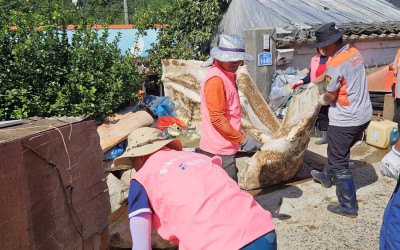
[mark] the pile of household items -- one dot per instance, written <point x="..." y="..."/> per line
<point x="154" y="111"/>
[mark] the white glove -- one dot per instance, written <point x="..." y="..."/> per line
<point x="310" y="85"/>
<point x="390" y="164"/>
<point x="322" y="100"/>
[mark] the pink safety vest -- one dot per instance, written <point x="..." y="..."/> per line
<point x="211" y="140"/>
<point x="197" y="205"/>
<point x="314" y="67"/>
<point x="396" y="78"/>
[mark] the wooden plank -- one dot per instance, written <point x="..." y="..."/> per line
<point x="120" y="125"/>
<point x="389" y="108"/>
<point x="13" y="198"/>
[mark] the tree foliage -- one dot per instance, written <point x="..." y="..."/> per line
<point x="186" y="29"/>
<point x="43" y="73"/>
<point x="90" y="11"/>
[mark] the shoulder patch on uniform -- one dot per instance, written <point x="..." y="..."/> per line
<point x="328" y="79"/>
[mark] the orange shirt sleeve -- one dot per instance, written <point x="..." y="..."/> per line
<point x="214" y="90"/>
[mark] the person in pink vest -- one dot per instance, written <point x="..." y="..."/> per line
<point x="189" y="199"/>
<point x="317" y="69"/>
<point x="221" y="126"/>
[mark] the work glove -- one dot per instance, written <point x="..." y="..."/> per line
<point x="310" y="85"/>
<point x="390" y="164"/>
<point x="322" y="100"/>
<point x="250" y="145"/>
<point x="297" y="84"/>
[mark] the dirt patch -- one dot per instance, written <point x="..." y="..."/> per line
<point x="368" y="154"/>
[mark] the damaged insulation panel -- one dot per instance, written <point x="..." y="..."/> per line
<point x="284" y="142"/>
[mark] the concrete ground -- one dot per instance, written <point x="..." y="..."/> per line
<point x="299" y="206"/>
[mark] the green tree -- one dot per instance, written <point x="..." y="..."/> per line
<point x="92" y="11"/>
<point x="186" y="29"/>
<point x="44" y="74"/>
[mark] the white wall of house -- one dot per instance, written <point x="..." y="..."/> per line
<point x="375" y="53"/>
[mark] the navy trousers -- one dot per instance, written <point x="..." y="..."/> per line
<point x="323" y="118"/>
<point x="340" y="140"/>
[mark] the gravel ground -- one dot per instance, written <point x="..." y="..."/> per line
<point x="299" y="207"/>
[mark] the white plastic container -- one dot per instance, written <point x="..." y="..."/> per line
<point x="378" y="133"/>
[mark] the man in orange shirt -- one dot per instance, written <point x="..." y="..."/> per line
<point x="221" y="132"/>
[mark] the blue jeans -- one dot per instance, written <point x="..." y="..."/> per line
<point x="265" y="242"/>
<point x="389" y="236"/>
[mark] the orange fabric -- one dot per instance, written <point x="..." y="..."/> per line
<point x="164" y="122"/>
<point x="389" y="80"/>
<point x="342" y="93"/>
<point x="343" y="96"/>
<point x="395" y="73"/>
<point x="380" y="80"/>
<point x="215" y="99"/>
<point x="342" y="57"/>
<point x="395" y="68"/>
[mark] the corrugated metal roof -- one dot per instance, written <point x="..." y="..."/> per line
<point x="295" y="20"/>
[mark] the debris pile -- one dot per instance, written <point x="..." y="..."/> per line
<point x="152" y="111"/>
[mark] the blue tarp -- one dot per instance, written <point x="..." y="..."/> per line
<point x="127" y="39"/>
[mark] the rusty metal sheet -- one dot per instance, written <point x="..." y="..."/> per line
<point x="13" y="198"/>
<point x="67" y="200"/>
